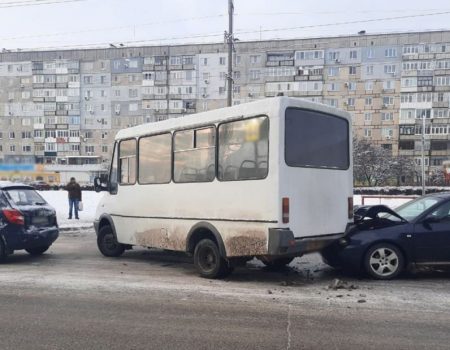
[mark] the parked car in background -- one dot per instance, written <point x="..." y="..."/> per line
<point x="27" y="221"/>
<point x="385" y="242"/>
<point x="40" y="185"/>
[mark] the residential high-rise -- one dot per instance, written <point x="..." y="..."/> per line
<point x="65" y="107"/>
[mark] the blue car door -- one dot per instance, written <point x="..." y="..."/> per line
<point x="431" y="237"/>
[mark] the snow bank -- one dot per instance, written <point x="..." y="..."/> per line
<point x="60" y="201"/>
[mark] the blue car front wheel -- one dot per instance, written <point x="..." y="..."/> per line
<point x="384" y="261"/>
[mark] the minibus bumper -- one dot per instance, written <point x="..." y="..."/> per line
<point x="283" y="242"/>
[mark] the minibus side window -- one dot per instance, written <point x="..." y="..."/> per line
<point x="194" y="155"/>
<point x="244" y="149"/>
<point x="113" y="172"/>
<point x="127" y="162"/>
<point x="155" y="159"/>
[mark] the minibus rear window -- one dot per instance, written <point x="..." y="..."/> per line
<point x="316" y="140"/>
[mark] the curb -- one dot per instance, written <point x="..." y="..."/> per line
<point x="76" y="228"/>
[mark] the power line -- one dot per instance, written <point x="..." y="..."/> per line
<point x="35" y="3"/>
<point x="209" y="35"/>
<point x="112" y="28"/>
<point x="344" y="23"/>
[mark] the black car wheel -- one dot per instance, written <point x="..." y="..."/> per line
<point x="107" y="243"/>
<point x="209" y="262"/>
<point x="37" y="250"/>
<point x="3" y="253"/>
<point x="384" y="261"/>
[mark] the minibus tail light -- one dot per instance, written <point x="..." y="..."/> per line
<point x="350" y="207"/>
<point x="14" y="216"/>
<point x="285" y="210"/>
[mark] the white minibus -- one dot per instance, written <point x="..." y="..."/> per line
<point x="270" y="179"/>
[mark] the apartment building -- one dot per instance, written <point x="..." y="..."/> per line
<point x="65" y="107"/>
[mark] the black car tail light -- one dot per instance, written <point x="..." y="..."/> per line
<point x="14" y="216"/>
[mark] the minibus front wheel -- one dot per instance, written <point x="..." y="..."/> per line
<point x="107" y="243"/>
<point x="209" y="262"/>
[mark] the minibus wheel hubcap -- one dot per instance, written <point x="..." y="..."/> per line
<point x="109" y="242"/>
<point x="207" y="259"/>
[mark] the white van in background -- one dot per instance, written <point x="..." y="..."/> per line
<point x="270" y="179"/>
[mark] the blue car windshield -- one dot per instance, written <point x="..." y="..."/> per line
<point x="414" y="208"/>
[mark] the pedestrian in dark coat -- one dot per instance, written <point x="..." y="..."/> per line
<point x="74" y="191"/>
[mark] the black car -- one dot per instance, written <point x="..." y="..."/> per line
<point x="385" y="242"/>
<point x="40" y="185"/>
<point x="27" y="221"/>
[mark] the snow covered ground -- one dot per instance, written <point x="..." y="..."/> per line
<point x="59" y="200"/>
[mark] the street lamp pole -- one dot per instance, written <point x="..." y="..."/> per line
<point x="423" y="153"/>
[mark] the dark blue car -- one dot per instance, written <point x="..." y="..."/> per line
<point x="385" y="242"/>
<point x="27" y="221"/>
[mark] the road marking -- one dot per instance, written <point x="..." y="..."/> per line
<point x="289" y="328"/>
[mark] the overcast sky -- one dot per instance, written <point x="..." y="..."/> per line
<point x="135" y="22"/>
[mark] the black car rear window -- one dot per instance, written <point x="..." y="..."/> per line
<point x="24" y="196"/>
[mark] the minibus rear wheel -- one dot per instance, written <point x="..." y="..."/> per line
<point x="107" y="243"/>
<point x="278" y="263"/>
<point x="209" y="262"/>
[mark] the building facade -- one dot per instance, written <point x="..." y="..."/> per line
<point x="65" y="107"/>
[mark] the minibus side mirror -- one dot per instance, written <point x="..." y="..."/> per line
<point x="101" y="183"/>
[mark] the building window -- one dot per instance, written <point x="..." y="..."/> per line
<point x="333" y="71"/>
<point x="369" y="85"/>
<point x="389" y="68"/>
<point x="387" y="116"/>
<point x="368" y="116"/>
<point x="351" y="101"/>
<point x="352" y="86"/>
<point x="255" y="59"/>
<point x="368" y="101"/>
<point x="12" y="148"/>
<point x="390" y="52"/>
<point x="222" y="61"/>
<point x="388" y="100"/>
<point x="369" y="70"/>
<point x="353" y="54"/>
<point x="387" y="133"/>
<point x="352" y="70"/>
<point x="367" y="132"/>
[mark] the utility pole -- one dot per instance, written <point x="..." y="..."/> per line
<point x="423" y="154"/>
<point x="229" y="37"/>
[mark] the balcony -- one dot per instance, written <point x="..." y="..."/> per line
<point x="308" y="77"/>
<point x="161" y="82"/>
<point x="280" y="79"/>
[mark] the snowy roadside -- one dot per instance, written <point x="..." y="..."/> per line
<point x="59" y="201"/>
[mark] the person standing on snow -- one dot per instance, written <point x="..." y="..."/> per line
<point x="74" y="191"/>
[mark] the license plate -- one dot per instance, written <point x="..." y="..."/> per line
<point x="39" y="220"/>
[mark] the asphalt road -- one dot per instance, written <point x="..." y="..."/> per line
<point x="73" y="298"/>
